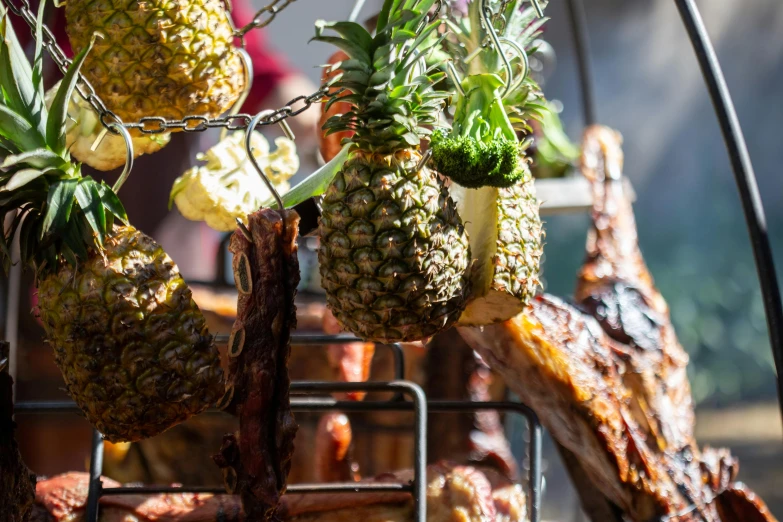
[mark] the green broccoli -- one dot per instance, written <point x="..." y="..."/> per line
<point x="482" y="148"/>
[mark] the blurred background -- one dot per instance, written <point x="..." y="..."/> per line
<point x="691" y="227"/>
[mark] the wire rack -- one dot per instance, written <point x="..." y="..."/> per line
<point x="309" y="396"/>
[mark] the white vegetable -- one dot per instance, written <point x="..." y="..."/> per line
<point x="227" y="187"/>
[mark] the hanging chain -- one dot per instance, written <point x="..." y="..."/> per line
<point x="158" y="124"/>
<point x="264" y="16"/>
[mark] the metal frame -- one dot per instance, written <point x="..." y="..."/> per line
<point x="307" y="396"/>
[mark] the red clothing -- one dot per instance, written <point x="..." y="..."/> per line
<point x="268" y="67"/>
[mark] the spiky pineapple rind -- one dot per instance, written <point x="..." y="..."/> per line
<point x="131" y="343"/>
<point x="158" y="57"/>
<point x="394" y="253"/>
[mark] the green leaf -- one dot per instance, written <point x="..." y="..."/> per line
<point x="17" y="85"/>
<point x="350" y="31"/>
<point x="112" y="202"/>
<point x="38" y="81"/>
<point x="59" y="204"/>
<point x="351" y="49"/>
<point x="389" y="7"/>
<point x="316" y="183"/>
<point x="23" y="177"/>
<point x="55" y="127"/>
<point x="91" y="204"/>
<point x="40" y="158"/>
<point x="17" y="129"/>
<point x="74" y="241"/>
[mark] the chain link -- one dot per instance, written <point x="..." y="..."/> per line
<point x="158" y="124"/>
<point x="264" y="16"/>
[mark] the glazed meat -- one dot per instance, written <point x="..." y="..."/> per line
<point x="453" y="493"/>
<point x="456" y="372"/>
<point x="256" y="464"/>
<point x="17" y="482"/>
<point x="333" y="455"/>
<point x="63" y="498"/>
<point x="608" y="378"/>
<point x="350" y="362"/>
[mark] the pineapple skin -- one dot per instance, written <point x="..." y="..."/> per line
<point x="131" y="343"/>
<point x="169" y="58"/>
<point x="506" y="282"/>
<point x="393" y="253"/>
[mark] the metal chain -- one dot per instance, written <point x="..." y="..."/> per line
<point x="264" y="16"/>
<point x="157" y="124"/>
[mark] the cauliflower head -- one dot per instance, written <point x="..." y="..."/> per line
<point x="227" y="187"/>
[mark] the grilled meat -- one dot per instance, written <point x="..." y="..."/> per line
<point x="266" y="271"/>
<point x="453" y="493"/>
<point x="456" y="372"/>
<point x="608" y="379"/>
<point x="333" y="455"/>
<point x="17" y="482"/>
<point x="350" y="362"/>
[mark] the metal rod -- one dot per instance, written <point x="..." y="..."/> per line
<point x="744" y="176"/>
<point x="324" y="404"/>
<point x="534" y="474"/>
<point x="578" y="20"/>
<point x="333" y="487"/>
<point x="12" y="304"/>
<point x="96" y="469"/>
<point x="357" y="8"/>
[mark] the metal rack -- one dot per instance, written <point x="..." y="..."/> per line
<point x="307" y="398"/>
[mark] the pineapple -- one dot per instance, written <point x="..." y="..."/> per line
<point x="503" y="224"/>
<point x="131" y="343"/>
<point x="393" y="253"/>
<point x="169" y="58"/>
<point x="84" y="129"/>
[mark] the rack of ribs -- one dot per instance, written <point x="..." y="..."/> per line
<point x="608" y="377"/>
<point x="256" y="462"/>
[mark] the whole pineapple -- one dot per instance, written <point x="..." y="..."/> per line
<point x="394" y="253"/>
<point x="130" y="341"/>
<point x="169" y="58"/>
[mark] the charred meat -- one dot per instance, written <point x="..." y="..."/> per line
<point x="256" y="463"/>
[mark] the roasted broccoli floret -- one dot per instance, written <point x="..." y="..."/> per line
<point x="482" y="148"/>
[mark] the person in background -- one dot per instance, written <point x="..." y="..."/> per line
<point x="194" y="246"/>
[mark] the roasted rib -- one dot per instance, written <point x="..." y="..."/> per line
<point x="266" y="271"/>
<point x="456" y="372"/>
<point x="612" y="389"/>
<point x="17" y="482"/>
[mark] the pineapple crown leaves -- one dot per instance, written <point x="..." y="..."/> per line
<point x="525" y="101"/>
<point x="57" y="213"/>
<point x="388" y="84"/>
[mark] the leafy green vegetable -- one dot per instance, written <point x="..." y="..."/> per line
<point x="482" y="148"/>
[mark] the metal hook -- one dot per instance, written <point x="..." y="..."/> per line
<point x="522" y="56"/>
<point x="357" y="8"/>
<point x="538" y="8"/>
<point x="451" y="71"/>
<point x="247" y="66"/>
<point x="120" y="129"/>
<point x="485" y="12"/>
<point x="249" y="149"/>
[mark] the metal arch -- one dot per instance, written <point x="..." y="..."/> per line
<point x="747" y="186"/>
<point x="578" y="21"/>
